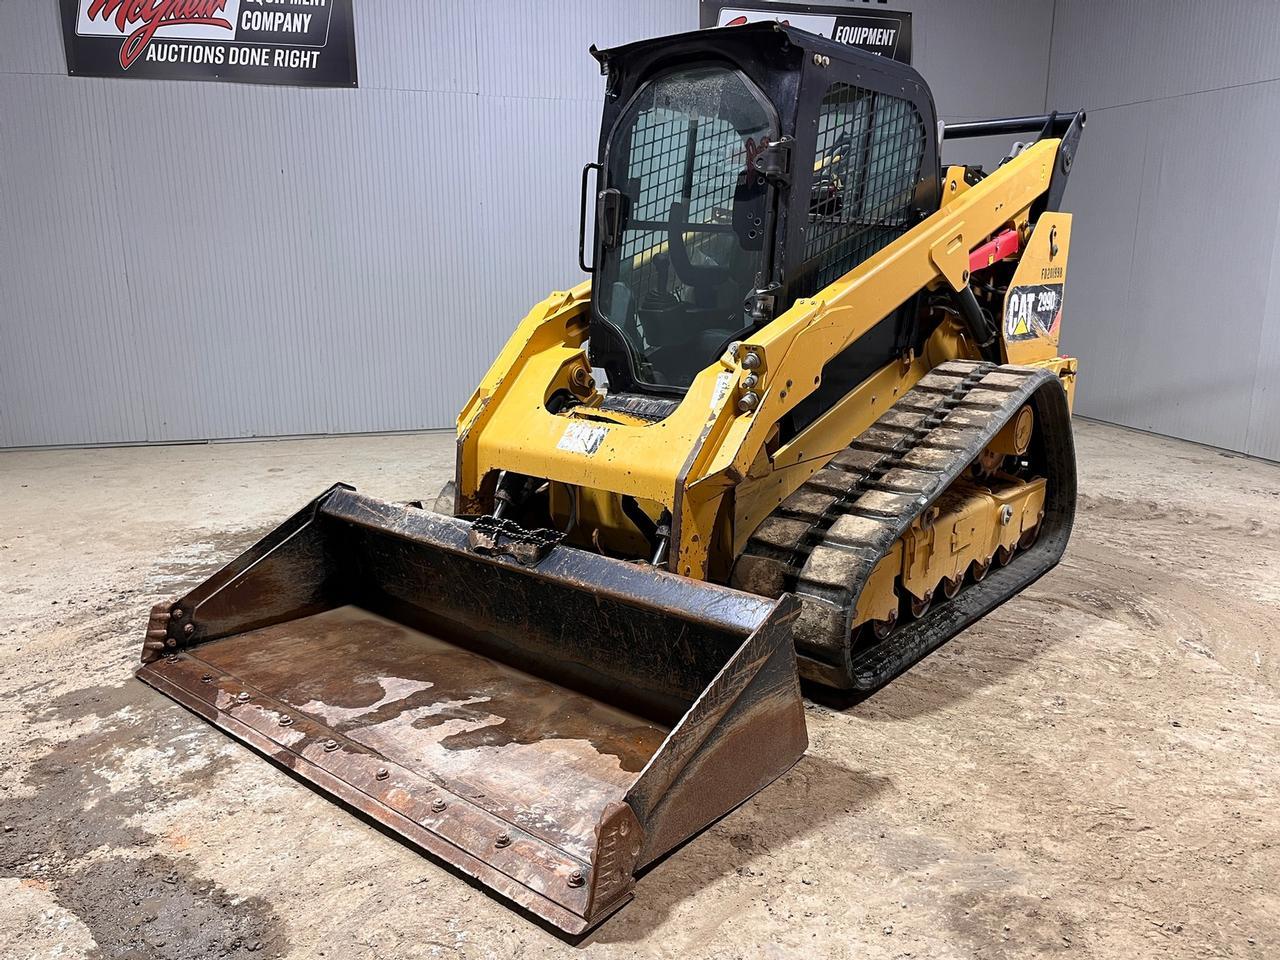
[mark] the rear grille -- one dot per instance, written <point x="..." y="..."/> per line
<point x="652" y="409"/>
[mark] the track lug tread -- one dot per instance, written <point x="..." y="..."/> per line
<point x="868" y="494"/>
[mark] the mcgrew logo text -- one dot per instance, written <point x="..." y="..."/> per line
<point x="145" y="17"/>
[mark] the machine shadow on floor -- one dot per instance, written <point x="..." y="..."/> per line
<point x="815" y="793"/>
<point x="985" y="655"/>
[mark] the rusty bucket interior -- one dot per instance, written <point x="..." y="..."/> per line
<point x="548" y="730"/>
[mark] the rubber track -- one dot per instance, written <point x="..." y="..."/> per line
<point x="824" y="540"/>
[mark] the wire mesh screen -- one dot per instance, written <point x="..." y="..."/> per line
<point x="692" y="136"/>
<point x="689" y="245"/>
<point x="663" y="144"/>
<point x="865" y="168"/>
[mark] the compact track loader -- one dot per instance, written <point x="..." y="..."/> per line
<point x="807" y="419"/>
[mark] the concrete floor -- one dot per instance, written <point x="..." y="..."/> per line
<point x="1090" y="771"/>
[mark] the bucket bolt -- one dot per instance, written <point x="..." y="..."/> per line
<point x="330" y="745"/>
<point x="576" y="879"/>
<point x="438" y="805"/>
<point x="382" y="774"/>
<point x="503" y="840"/>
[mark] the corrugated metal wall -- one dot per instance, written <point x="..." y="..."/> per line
<point x="1174" y="291"/>
<point x="195" y="260"/>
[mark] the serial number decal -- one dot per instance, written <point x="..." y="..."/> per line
<point x="724" y="382"/>
<point x="1052" y="273"/>
<point x="583" y="438"/>
<point x="1032" y="311"/>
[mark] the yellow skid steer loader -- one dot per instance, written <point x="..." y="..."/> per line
<point x="807" y="419"/>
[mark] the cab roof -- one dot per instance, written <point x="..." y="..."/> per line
<point x="765" y="35"/>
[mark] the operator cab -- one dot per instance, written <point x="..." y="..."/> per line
<point x="741" y="168"/>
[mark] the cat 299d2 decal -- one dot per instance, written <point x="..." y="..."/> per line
<point x="299" y="42"/>
<point x="1033" y="311"/>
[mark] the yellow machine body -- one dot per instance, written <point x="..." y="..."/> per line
<point x="711" y="463"/>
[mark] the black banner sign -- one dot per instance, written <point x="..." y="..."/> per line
<point x="303" y="42"/>
<point x="885" y="32"/>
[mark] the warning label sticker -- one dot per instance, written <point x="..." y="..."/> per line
<point x="583" y="438"/>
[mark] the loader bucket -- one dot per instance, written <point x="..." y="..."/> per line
<point x="546" y="729"/>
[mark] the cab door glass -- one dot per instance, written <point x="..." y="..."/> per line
<point x="686" y="240"/>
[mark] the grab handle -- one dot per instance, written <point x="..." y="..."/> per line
<point x="582" y="219"/>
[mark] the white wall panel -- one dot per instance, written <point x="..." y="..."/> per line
<point x="1109" y="52"/>
<point x="1174" y="291"/>
<point x="983" y="58"/>
<point x="418" y="46"/>
<point x="1184" y="360"/>
<point x="1104" y="195"/>
<point x="202" y="260"/>
<point x="68" y="370"/>
<point x="1263" y="438"/>
<point x="30" y="38"/>
<point x="538" y="49"/>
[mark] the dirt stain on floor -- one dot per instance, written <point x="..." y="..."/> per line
<point x="78" y="837"/>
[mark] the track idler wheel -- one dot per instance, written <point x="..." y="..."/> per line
<point x="880" y="629"/>
<point x="951" y="587"/>
<point x="978" y="571"/>
<point x="920" y="606"/>
<point x="1004" y="555"/>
